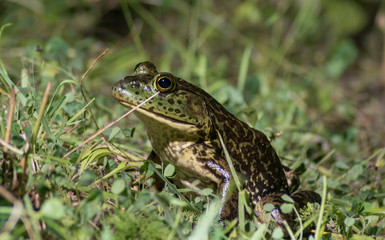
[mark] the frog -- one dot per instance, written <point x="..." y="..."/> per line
<point x="188" y="128"/>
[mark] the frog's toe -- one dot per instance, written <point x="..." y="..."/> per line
<point x="277" y="216"/>
<point x="300" y="201"/>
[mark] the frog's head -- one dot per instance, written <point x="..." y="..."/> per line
<point x="179" y="104"/>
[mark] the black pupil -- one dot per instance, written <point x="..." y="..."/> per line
<point x="164" y="83"/>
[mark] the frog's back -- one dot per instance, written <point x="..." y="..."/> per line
<point x="251" y="153"/>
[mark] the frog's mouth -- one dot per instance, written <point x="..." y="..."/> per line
<point x="154" y="115"/>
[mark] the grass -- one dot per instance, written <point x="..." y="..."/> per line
<point x="295" y="70"/>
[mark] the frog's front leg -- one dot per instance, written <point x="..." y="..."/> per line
<point x="300" y="199"/>
<point x="226" y="189"/>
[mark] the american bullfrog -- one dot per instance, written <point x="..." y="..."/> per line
<point x="184" y="122"/>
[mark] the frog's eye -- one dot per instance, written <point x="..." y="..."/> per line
<point x="144" y="68"/>
<point x="164" y="84"/>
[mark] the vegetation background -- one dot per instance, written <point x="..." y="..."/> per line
<point x="308" y="73"/>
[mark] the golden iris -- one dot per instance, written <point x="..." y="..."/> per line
<point x="164" y="84"/>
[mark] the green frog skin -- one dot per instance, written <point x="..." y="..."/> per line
<point x="183" y="123"/>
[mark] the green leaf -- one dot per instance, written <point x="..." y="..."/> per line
<point x="349" y="221"/>
<point x="107" y="234"/>
<point x="128" y="133"/>
<point x="75" y="106"/>
<point x="87" y="177"/>
<point x="286" y="208"/>
<point x="206" y="191"/>
<point x="260" y="233"/>
<point x="89" y="210"/>
<point x="366" y="194"/>
<point x="118" y="186"/>
<point x="56" y="48"/>
<point x="170" y="171"/>
<point x="53" y="208"/>
<point x="287" y="198"/>
<point x="343" y="56"/>
<point x="268" y="207"/>
<point x="149" y="170"/>
<point x="114" y="131"/>
<point x="354" y="172"/>
<point x="376" y="210"/>
<point x="278" y="233"/>
<point x="95" y="195"/>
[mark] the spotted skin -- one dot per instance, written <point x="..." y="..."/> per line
<point x="183" y="126"/>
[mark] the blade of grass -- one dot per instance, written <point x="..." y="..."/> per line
<point x="9" y="83"/>
<point x="289" y="231"/>
<point x="32" y="225"/>
<point x="7" y="137"/>
<point x="22" y="99"/>
<point x="301" y="227"/>
<point x="88" y="157"/>
<point x="241" y="201"/>
<point x="121" y="167"/>
<point x="78" y="113"/>
<point x="36" y="126"/>
<point x="57" y="89"/>
<point x="241" y="209"/>
<point x="321" y="213"/>
<point x="260" y="233"/>
<point x="205" y="222"/>
<point x="229" y="161"/>
<point x="176" y="224"/>
<point x="17" y="210"/>
<point x="202" y="70"/>
<point x="1" y="62"/>
<point x="81" y="84"/>
<point x="10" y="147"/>
<point x="243" y="68"/>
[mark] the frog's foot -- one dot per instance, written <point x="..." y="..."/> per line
<point x="276" y="214"/>
<point x="300" y="198"/>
